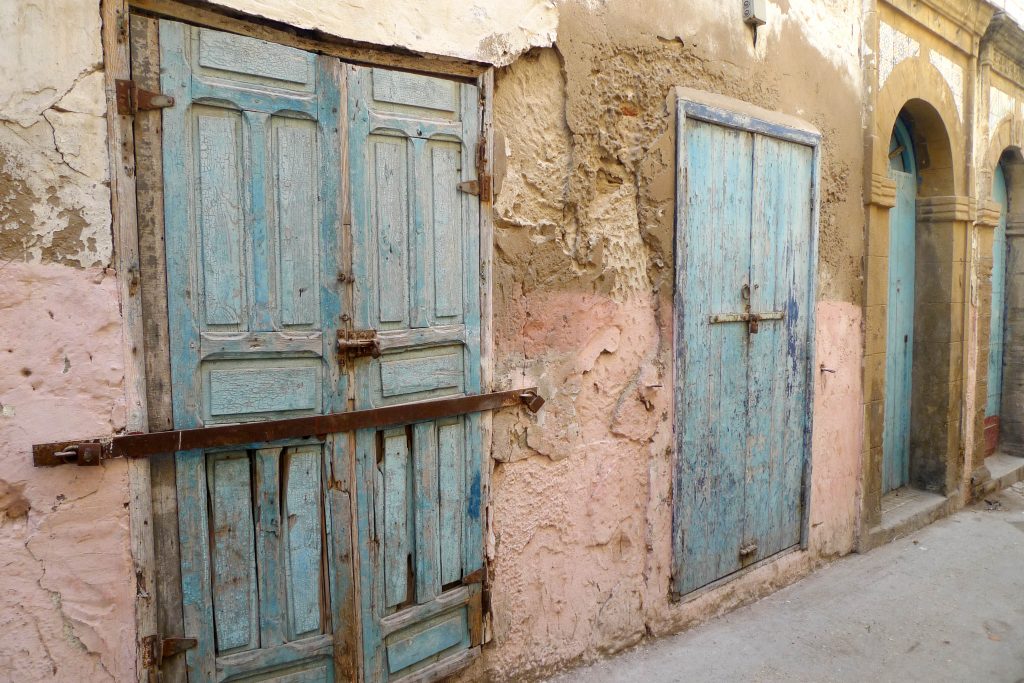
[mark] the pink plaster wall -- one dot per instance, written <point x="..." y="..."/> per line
<point x="67" y="590"/>
<point x="582" y="522"/>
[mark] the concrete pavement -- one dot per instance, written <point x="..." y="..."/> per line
<point x="945" y="604"/>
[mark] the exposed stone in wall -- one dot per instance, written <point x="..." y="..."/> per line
<point x="54" y="189"/>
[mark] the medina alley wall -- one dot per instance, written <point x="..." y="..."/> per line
<point x="66" y="607"/>
<point x="583" y="308"/>
<point x="579" y="533"/>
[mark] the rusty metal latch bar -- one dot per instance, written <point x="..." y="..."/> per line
<point x="92" y="451"/>
<point x="746" y="317"/>
<point x="753" y="320"/>
<point x="132" y="99"/>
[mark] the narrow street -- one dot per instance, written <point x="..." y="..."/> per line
<point x="944" y="604"/>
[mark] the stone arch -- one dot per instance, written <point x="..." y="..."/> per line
<point x="1005" y="148"/>
<point x="918" y="94"/>
<point x="916" y="88"/>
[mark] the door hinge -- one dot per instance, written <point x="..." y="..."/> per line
<point x="481" y="187"/>
<point x="155" y="650"/>
<point x="132" y="99"/>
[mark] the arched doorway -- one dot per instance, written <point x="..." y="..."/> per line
<point x="993" y="403"/>
<point x="900" y="315"/>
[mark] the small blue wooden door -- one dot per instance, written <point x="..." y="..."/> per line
<point x="251" y="192"/>
<point x="997" y="323"/>
<point x="745" y="242"/>
<point x="899" y="347"/>
<point x="413" y="140"/>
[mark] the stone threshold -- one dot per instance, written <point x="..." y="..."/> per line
<point x="905" y="511"/>
<point x="1004" y="471"/>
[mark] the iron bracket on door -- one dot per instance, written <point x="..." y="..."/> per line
<point x="752" y="319"/>
<point x="92" y="451"/>
<point x="155" y="649"/>
<point x="132" y="99"/>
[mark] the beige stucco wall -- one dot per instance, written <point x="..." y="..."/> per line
<point x="581" y="495"/>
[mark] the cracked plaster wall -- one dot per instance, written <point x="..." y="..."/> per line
<point x="66" y="597"/>
<point x="480" y="30"/>
<point x="581" y="493"/>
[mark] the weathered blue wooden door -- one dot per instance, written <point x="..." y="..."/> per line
<point x="743" y="316"/>
<point x="899" y="347"/>
<point x="251" y="191"/>
<point x="416" y="268"/>
<point x="996" y="329"/>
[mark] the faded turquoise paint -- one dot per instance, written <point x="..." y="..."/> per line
<point x="899" y="348"/>
<point x="416" y="267"/>
<point x="251" y="213"/>
<point x="996" y="331"/>
<point x="745" y="243"/>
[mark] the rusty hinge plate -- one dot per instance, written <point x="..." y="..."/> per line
<point x="132" y="99"/>
<point x="474" y="577"/>
<point x="155" y="650"/>
<point x="481" y="187"/>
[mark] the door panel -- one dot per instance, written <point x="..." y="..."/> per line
<point x="742" y="387"/>
<point x="779" y="352"/>
<point x="416" y="269"/>
<point x="251" y="178"/>
<point x="710" y="481"/>
<point x="899" y="360"/>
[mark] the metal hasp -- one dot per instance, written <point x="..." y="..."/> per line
<point x="132" y="99"/>
<point x="92" y="451"/>
<point x="358" y="343"/>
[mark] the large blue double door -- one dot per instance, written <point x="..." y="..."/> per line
<point x="342" y="555"/>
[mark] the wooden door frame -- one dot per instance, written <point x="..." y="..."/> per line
<point x="144" y="380"/>
<point x="739" y="115"/>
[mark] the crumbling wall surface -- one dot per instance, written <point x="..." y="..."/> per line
<point x="67" y="590"/>
<point x="491" y="32"/>
<point x="583" y="286"/>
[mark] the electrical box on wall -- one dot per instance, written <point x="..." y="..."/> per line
<point x="754" y="12"/>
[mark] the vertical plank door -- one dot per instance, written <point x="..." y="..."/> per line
<point x="899" y="346"/>
<point x="251" y="161"/>
<point x="744" y="247"/>
<point x="998" y="310"/>
<point x="413" y="140"/>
